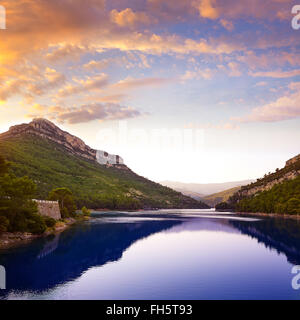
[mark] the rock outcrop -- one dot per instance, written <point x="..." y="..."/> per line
<point x="293" y="160"/>
<point x="48" y="130"/>
<point x="289" y="172"/>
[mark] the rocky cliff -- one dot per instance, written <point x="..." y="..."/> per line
<point x="289" y="172"/>
<point x="46" y="129"/>
<point x="293" y="161"/>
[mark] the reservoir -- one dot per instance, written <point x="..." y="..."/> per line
<point x="164" y="254"/>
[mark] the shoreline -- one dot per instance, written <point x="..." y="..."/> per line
<point x="10" y="240"/>
<point x="270" y="215"/>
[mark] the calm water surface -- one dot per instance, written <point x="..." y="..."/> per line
<point x="167" y="254"/>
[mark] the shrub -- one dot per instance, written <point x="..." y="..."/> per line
<point x="65" y="213"/>
<point x="36" y="224"/>
<point x="4" y="223"/>
<point x="50" y="222"/>
<point x="86" y="212"/>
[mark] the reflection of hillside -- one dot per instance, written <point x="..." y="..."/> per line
<point x="49" y="262"/>
<point x="280" y="234"/>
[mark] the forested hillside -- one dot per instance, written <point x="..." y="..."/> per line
<point x="93" y="185"/>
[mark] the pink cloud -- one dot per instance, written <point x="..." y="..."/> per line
<point x="276" y="74"/>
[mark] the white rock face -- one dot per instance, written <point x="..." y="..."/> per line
<point x="105" y="158"/>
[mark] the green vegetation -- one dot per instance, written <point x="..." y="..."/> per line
<point x="18" y="213"/>
<point x="279" y="173"/>
<point x="66" y="201"/>
<point x="94" y="186"/>
<point x="283" y="198"/>
<point x="222" y="196"/>
<point x="86" y="212"/>
<point x="224" y="206"/>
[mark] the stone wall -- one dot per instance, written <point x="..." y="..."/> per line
<point x="49" y="209"/>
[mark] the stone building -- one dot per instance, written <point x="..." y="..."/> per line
<point x="48" y="209"/>
<point x="105" y="158"/>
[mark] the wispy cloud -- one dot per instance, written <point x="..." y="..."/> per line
<point x="284" y="108"/>
<point x="91" y="112"/>
<point x="276" y="74"/>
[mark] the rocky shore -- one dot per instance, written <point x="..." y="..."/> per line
<point x="10" y="240"/>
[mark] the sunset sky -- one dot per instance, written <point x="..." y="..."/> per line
<point x="223" y="74"/>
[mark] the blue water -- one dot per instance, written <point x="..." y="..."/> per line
<point x="175" y="254"/>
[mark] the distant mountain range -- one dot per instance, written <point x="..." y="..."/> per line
<point x="202" y="190"/>
<point x="54" y="158"/>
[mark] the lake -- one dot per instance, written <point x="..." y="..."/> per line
<point x="165" y="254"/>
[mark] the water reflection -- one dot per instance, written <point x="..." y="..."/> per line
<point x="59" y="259"/>
<point x="282" y="235"/>
<point x="54" y="260"/>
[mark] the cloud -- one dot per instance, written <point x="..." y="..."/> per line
<point x="128" y="18"/>
<point x="96" y="111"/>
<point x="276" y="74"/>
<point x="84" y="25"/>
<point x="114" y="98"/>
<point x="97" y="65"/>
<point x="234" y="69"/>
<point x="66" y="51"/>
<point x="52" y="80"/>
<point x="284" y="108"/>
<point x="227" y="24"/>
<point x="261" y="84"/>
<point x="95" y="83"/>
<point x="42" y="33"/>
<point x="207" y="9"/>
<point x="206" y="74"/>
<point x="12" y="87"/>
<point x="185" y="10"/>
<point x="132" y="83"/>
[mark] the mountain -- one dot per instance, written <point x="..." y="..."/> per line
<point x="204" y="189"/>
<point x="54" y="158"/>
<point x="277" y="192"/>
<point x="222" y="196"/>
<point x="194" y="195"/>
<point x="290" y="171"/>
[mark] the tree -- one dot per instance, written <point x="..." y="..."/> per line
<point x="86" y="212"/>
<point x="293" y="206"/>
<point x="4" y="223"/>
<point x="65" y="199"/>
<point x="18" y="213"/>
<point x="224" y="206"/>
<point x="4" y="165"/>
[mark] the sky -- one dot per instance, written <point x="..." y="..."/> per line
<point x="199" y="91"/>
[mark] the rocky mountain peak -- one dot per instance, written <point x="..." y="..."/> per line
<point x="48" y="130"/>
